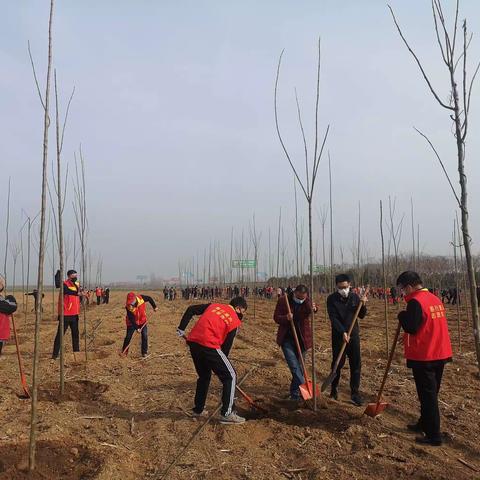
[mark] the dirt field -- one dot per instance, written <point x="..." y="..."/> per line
<point x="128" y="418"/>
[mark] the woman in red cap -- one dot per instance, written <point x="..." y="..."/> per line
<point x="136" y="320"/>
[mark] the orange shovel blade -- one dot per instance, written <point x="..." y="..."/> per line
<point x="374" y="409"/>
<point x="306" y="390"/>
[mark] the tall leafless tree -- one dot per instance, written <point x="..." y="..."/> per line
<point x="307" y="185"/>
<point x="41" y="250"/>
<point x="458" y="110"/>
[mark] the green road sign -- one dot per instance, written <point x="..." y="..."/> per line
<point x="244" y="263"/>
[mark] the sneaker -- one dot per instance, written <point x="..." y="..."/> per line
<point x="415" y="427"/>
<point x="357" y="400"/>
<point x="232" y="419"/>
<point x="195" y="414"/>
<point x="334" y="395"/>
<point x="433" y="442"/>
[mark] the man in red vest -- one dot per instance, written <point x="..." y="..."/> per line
<point x="98" y="293"/>
<point x="210" y="341"/>
<point x="8" y="305"/>
<point x="136" y="320"/>
<point x="427" y="348"/>
<point x="71" y="311"/>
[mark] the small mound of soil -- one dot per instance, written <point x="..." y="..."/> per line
<point x="76" y="391"/>
<point x="99" y="355"/>
<point x="54" y="460"/>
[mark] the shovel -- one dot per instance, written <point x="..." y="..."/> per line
<point x="306" y="389"/>
<point x="328" y="381"/>
<point x="374" y="409"/>
<point x="23" y="378"/>
<point x="250" y="400"/>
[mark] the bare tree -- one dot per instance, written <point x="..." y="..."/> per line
<point x="308" y="184"/>
<point x="41" y="254"/>
<point x="7" y="223"/>
<point x="458" y="109"/>
<point x="384" y="278"/>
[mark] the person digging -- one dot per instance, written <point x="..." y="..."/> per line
<point x="210" y="342"/>
<point x="427" y="349"/>
<point x="136" y="320"/>
<point x="299" y="310"/>
<point x="341" y="307"/>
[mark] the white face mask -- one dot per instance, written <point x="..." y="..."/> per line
<point x="344" y="292"/>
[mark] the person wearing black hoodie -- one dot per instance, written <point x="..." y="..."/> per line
<point x="341" y="307"/>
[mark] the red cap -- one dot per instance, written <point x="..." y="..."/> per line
<point x="131" y="298"/>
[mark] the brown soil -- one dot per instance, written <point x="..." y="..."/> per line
<point x="128" y="417"/>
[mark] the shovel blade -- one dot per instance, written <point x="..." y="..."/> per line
<point x="328" y="381"/>
<point x="374" y="409"/>
<point x="306" y="390"/>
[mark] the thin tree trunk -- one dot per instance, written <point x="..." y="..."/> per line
<point x="384" y="277"/>
<point x="41" y="256"/>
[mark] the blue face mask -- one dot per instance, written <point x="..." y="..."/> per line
<point x="297" y="300"/>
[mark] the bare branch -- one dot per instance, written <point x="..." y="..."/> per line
<point x="278" y="128"/>
<point x="442" y="51"/>
<point x="441" y="164"/>
<point x="317" y="161"/>
<point x="35" y="76"/>
<point x="304" y="140"/>
<point x="66" y="118"/>
<point x="444" y="105"/>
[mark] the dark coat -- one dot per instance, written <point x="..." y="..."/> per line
<point x="302" y="320"/>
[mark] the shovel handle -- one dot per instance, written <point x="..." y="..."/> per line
<point x="19" y="357"/>
<point x="297" y="343"/>
<point x="389" y="363"/>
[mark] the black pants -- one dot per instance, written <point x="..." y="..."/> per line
<point x="207" y="360"/>
<point x="354" y="359"/>
<point x="428" y="379"/>
<point x="130" y="331"/>
<point x="72" y="322"/>
<point x="98" y="300"/>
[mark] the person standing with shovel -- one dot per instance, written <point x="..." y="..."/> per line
<point x="342" y="306"/>
<point x="299" y="310"/>
<point x="427" y="349"/>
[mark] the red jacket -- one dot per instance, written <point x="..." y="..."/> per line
<point x="139" y="311"/>
<point x="71" y="303"/>
<point x="432" y="340"/>
<point x="302" y="318"/>
<point x="4" y="326"/>
<point x="214" y="325"/>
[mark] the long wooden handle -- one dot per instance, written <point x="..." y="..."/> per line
<point x="297" y="343"/>
<point x="389" y="363"/>
<point x="131" y="339"/>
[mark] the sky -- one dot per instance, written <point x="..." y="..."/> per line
<point x="173" y="107"/>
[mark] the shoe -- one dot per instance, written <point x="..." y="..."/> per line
<point x="232" y="419"/>
<point x="415" y="427"/>
<point x="203" y="414"/>
<point x="334" y="394"/>
<point x="433" y="442"/>
<point x="357" y="400"/>
<point x="144" y="355"/>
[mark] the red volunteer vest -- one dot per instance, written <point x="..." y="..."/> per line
<point x="98" y="292"/>
<point x="71" y="303"/>
<point x="4" y="326"/>
<point x="139" y="310"/>
<point x="214" y="325"/>
<point x="432" y="341"/>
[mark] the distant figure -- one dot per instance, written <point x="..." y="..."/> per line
<point x="98" y="293"/>
<point x="106" y="295"/>
<point x="34" y="294"/>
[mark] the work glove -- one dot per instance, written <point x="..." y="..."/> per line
<point x="180" y="333"/>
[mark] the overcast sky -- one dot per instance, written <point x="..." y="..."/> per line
<point x="174" y="110"/>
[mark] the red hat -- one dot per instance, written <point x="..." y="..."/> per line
<point x="131" y="298"/>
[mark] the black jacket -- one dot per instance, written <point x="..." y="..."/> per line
<point x="341" y="311"/>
